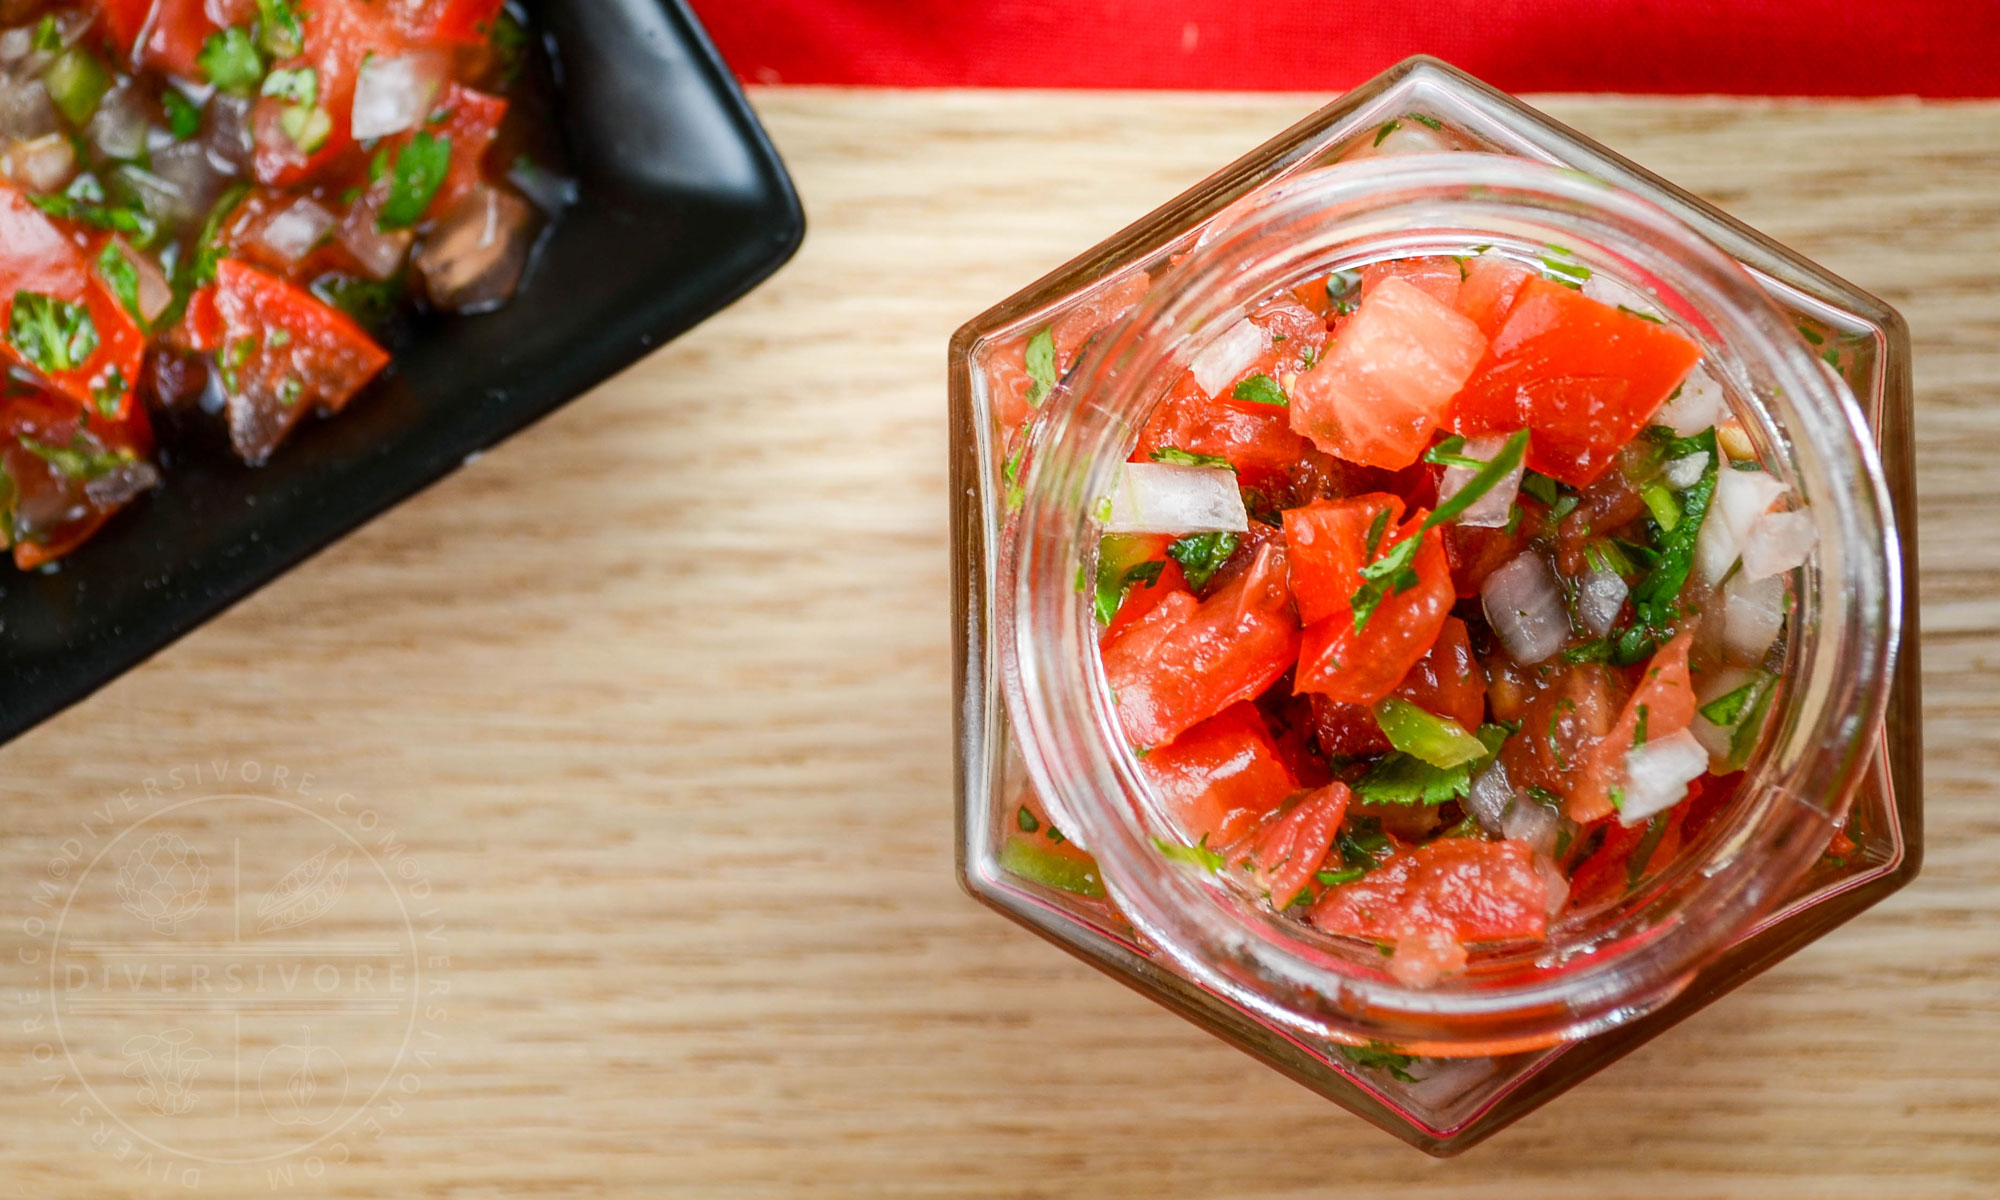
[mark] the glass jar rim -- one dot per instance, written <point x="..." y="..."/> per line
<point x="1794" y="791"/>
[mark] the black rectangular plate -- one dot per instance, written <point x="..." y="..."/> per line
<point x="682" y="207"/>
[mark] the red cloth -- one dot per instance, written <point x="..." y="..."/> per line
<point x="1759" y="47"/>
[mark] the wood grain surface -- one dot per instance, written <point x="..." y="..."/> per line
<point x="654" y="702"/>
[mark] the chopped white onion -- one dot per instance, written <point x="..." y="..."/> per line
<point x="1743" y="496"/>
<point x="16" y="44"/>
<point x="186" y="182"/>
<point x="393" y="94"/>
<point x="1717" y="739"/>
<point x="1525" y="609"/>
<point x="1698" y="405"/>
<point x="229" y="138"/>
<point x="1684" y="472"/>
<point x="1657" y="775"/>
<point x="44" y="164"/>
<point x="155" y="293"/>
<point x="1223" y="359"/>
<point x="118" y="127"/>
<point x="1556" y="883"/>
<point x="1778" y="542"/>
<point x="1490" y="797"/>
<point x="1530" y="822"/>
<point x="293" y="232"/>
<point x="1599" y="596"/>
<point x="1606" y="290"/>
<point x="1496" y="507"/>
<point x="1167" y="498"/>
<point x="1753" y="611"/>
<point x="26" y="112"/>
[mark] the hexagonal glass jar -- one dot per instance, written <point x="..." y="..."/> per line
<point x="1476" y="1071"/>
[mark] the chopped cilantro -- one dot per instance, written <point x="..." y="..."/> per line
<point x="1540" y="486"/>
<point x="1187" y="458"/>
<point x="107" y="393"/>
<point x="1041" y="363"/>
<point x="1643" y="316"/>
<point x="82" y="204"/>
<point x="1447" y="453"/>
<point x="1376" y="528"/>
<point x="1201" y="554"/>
<point x="230" y="61"/>
<point x="1488" y="477"/>
<point x="1728" y="707"/>
<point x="1594" y="650"/>
<point x="1026" y="820"/>
<point x="1399" y="778"/>
<point x="300" y="85"/>
<point x="1392" y="574"/>
<point x="81" y="459"/>
<point x="1386" y="130"/>
<point x="52" y="334"/>
<point x="1569" y="274"/>
<point x="418" y="172"/>
<point x="183" y="115"/>
<point x="1381" y="1056"/>
<point x="121" y="275"/>
<point x="1197" y="855"/>
<point x="278" y="30"/>
<point x="1261" y="389"/>
<point x="1655" y="596"/>
<point x="1642" y="854"/>
<point x="1425" y="120"/>
<point x="1341" y="288"/>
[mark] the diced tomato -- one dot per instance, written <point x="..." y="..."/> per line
<point x="1184" y="661"/>
<point x="1563" y="717"/>
<point x="173" y="31"/>
<point x="1447" y="681"/>
<point x="1256" y="439"/>
<point x="1436" y="898"/>
<point x="1221" y="777"/>
<point x="1292" y="327"/>
<point x="281" y="353"/>
<point x="1492" y="282"/>
<point x="1075" y="327"/>
<point x="472" y="122"/>
<point x="339" y="34"/>
<point x="1347" y="729"/>
<point x="1362" y="666"/>
<point x="1249" y="546"/>
<point x="50" y="512"/>
<point x="1280" y="858"/>
<point x="1582" y="375"/>
<point x="1609" y="504"/>
<point x="1378" y="393"/>
<point x="1604" y="874"/>
<point x="1142" y="598"/>
<point x="1666" y="694"/>
<point x="1476" y="551"/>
<point x="1326" y="546"/>
<point x="1437" y="276"/>
<point x="38" y="260"/>
<point x="1007" y="385"/>
<point x="452" y="22"/>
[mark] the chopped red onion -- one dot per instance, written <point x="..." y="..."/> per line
<point x="229" y="138"/>
<point x="1167" y="498"/>
<point x="118" y="127"/>
<point x="186" y="182"/>
<point x="26" y="112"/>
<point x="473" y="259"/>
<point x="380" y="254"/>
<point x="1657" y="775"/>
<point x="1525" y="609"/>
<point x="1490" y="797"/>
<point x="1228" y="356"/>
<point x="1496" y="507"/>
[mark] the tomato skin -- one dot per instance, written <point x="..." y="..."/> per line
<point x="1583" y="376"/>
<point x="69" y="515"/>
<point x="1256" y="439"/>
<point x="1279" y="859"/>
<point x="1563" y="718"/>
<point x="1326" y="545"/>
<point x="1492" y="283"/>
<point x="37" y="256"/>
<point x="324" y="358"/>
<point x="338" y="36"/>
<point x="473" y="124"/>
<point x="1186" y="661"/>
<point x="1220" y="778"/>
<point x="1456" y="889"/>
<point x="453" y="22"/>
<point x="1347" y="729"/>
<point x="1437" y="276"/>
<point x="1666" y="692"/>
<point x="1142" y="598"/>
<point x="1362" y="666"/>
<point x="1386" y="379"/>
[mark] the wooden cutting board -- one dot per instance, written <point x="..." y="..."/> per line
<point x="621" y="760"/>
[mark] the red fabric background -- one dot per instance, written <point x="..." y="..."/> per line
<point x="1941" y="48"/>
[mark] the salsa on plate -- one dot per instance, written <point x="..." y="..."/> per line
<point x="1439" y="599"/>
<point x="218" y="206"/>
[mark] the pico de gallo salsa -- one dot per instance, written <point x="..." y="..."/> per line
<point x="225" y="207"/>
<point x="1440" y="599"/>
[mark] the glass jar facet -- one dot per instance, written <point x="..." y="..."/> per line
<point x="1007" y="855"/>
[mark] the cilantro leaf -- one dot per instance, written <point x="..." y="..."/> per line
<point x="278" y="30"/>
<point x="1197" y="855"/>
<point x="1485" y="480"/>
<point x="1655" y="597"/>
<point x="414" y="180"/>
<point x="53" y="334"/>
<point x="1381" y="1056"/>
<point x="81" y="459"/>
<point x="80" y="208"/>
<point x="1728" y="707"/>
<point x="1262" y="389"/>
<point x="1201" y="554"/>
<point x="1400" y="778"/>
<point x="1187" y="458"/>
<point x="1393" y="573"/>
<point x="121" y="275"/>
<point x="1041" y="361"/>
<point x="183" y="115"/>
